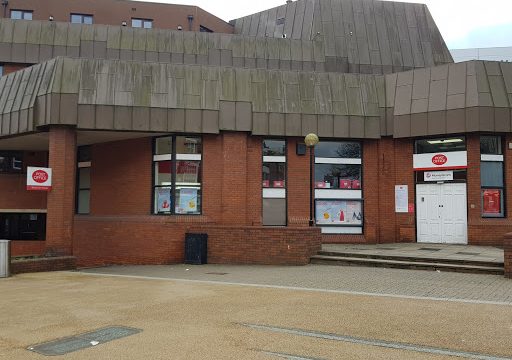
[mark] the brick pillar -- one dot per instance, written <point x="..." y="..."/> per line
<point x="234" y="178"/>
<point x="61" y="199"/>
<point x="298" y="185"/>
<point x="507" y="248"/>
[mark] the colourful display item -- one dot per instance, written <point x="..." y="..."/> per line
<point x="345" y="184"/>
<point x="278" y="184"/>
<point x="320" y="185"/>
<point x="356" y="184"/>
<point x="266" y="183"/>
<point x="492" y="202"/>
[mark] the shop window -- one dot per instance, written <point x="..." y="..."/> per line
<point x="81" y="19"/>
<point x="274" y="175"/>
<point x="338" y="176"/>
<point x="339" y="212"/>
<point x="274" y="182"/>
<point x="1" y="70"/>
<point x="177" y="175"/>
<point x="83" y="180"/>
<point x="490" y="145"/>
<point x="11" y="162"/>
<point x="21" y="14"/>
<point x="15" y="226"/>
<point x="492" y="176"/>
<point x="427" y="146"/>
<point x="142" y="23"/>
<point x="349" y="150"/>
<point x="338" y="187"/>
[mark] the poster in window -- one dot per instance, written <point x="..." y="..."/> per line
<point x="163" y="200"/>
<point x="339" y="212"/>
<point x="492" y="202"/>
<point x="187" y="202"/>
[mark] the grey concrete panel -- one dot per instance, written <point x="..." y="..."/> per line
<point x="14" y="123"/>
<point x="276" y="124"/>
<point x="141" y="119"/>
<point x="126" y="55"/>
<point x="492" y="68"/>
<point x="421" y="86"/>
<point x="419" y="106"/>
<point x="436" y="122"/>
<point x="356" y="126"/>
<point x="53" y="116"/>
<point x="456" y="121"/>
<point x="341" y="126"/>
<point x="226" y="57"/>
<point x="139" y="55"/>
<point x="402" y="126"/>
<point x="293" y="125"/>
<point x="419" y="124"/>
<point x="113" y="54"/>
<point x="164" y="57"/>
<point x="243" y="112"/>
<point x="123" y="117"/>
<point x="309" y="124"/>
<point x="438" y="95"/>
<point x="210" y="122"/>
<point x="456" y="101"/>
<point x="325" y="126"/>
<point x="5" y="52"/>
<point x="177" y="58"/>
<point x="104" y="117"/>
<point x="176" y="120"/>
<point x="193" y="121"/>
<point x="86" y="117"/>
<point x="372" y="127"/>
<point x="502" y="119"/>
<point x="18" y="54"/>
<point x="486" y="118"/>
<point x="260" y="124"/>
<point x="457" y="79"/>
<point x="158" y="119"/>
<point x="472" y="119"/>
<point x="403" y="100"/>
<point x="68" y="109"/>
<point x="71" y="51"/>
<point x="152" y="56"/>
<point x="498" y="91"/>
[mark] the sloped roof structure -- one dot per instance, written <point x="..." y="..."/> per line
<point x="368" y="36"/>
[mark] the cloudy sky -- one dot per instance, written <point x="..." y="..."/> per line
<point x="463" y="23"/>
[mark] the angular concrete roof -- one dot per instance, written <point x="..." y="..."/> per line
<point x="132" y="96"/>
<point x="37" y="41"/>
<point x="455" y="98"/>
<point x="367" y="36"/>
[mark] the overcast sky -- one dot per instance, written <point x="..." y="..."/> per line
<point x="463" y="23"/>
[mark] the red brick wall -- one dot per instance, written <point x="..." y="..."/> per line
<point x="254" y="200"/>
<point x="298" y="185"/>
<point x="43" y="264"/>
<point x="507" y="247"/>
<point x="27" y="248"/>
<point x="17" y="196"/>
<point x="260" y="245"/>
<point x="10" y="68"/>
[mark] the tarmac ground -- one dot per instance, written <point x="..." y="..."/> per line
<point x="256" y="312"/>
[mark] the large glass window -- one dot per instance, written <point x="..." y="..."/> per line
<point x="274" y="182"/>
<point x="83" y="179"/>
<point x="492" y="177"/>
<point x="1" y="70"/>
<point x="328" y="149"/>
<point x="142" y="23"/>
<point x="21" y="14"/>
<point x="177" y="175"/>
<point x="11" y="162"/>
<point x="427" y="146"/>
<point x="81" y="19"/>
<point x="16" y="226"/>
<point x="338" y="176"/>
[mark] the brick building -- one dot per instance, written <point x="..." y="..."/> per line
<point x="152" y="132"/>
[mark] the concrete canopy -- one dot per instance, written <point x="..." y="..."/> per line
<point x="131" y="96"/>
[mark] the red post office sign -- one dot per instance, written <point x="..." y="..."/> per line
<point x="39" y="178"/>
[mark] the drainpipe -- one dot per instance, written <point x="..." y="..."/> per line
<point x="5" y="3"/>
<point x="190" y="22"/>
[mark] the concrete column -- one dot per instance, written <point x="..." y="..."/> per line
<point x="507" y="248"/>
<point x="61" y="199"/>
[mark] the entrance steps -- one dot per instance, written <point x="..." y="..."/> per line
<point x="348" y="258"/>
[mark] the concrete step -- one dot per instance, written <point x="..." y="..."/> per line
<point x="422" y="259"/>
<point x="399" y="264"/>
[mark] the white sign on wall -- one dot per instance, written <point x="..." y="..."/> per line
<point x="39" y="178"/>
<point x="401" y="198"/>
<point x="435" y="161"/>
<point x="438" y="175"/>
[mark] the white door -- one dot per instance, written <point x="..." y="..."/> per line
<point x="441" y="213"/>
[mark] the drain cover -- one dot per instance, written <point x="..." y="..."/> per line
<point x="467" y="253"/>
<point x="429" y="249"/>
<point x="83" y="341"/>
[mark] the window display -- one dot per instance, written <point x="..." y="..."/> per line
<point x="339" y="212"/>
